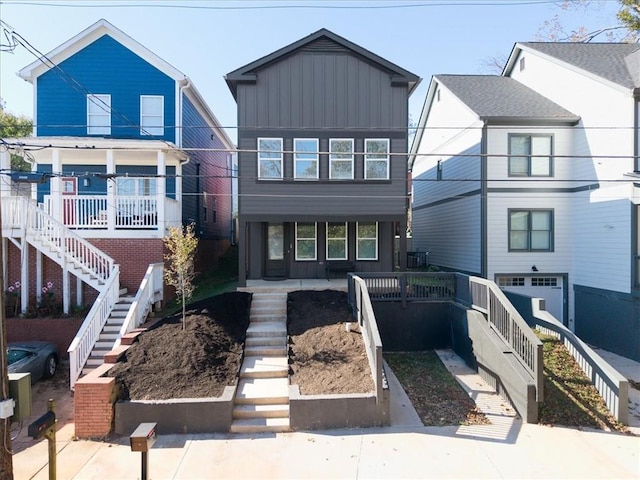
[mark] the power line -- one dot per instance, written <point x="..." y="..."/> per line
<point x="326" y="5"/>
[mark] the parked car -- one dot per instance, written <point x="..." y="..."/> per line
<point x="40" y="359"/>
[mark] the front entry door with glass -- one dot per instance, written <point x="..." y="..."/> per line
<point x="275" y="265"/>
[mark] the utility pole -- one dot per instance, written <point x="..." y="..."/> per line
<point x="6" y="459"/>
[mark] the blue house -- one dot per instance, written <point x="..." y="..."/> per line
<point x="127" y="148"/>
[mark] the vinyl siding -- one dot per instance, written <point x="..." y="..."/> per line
<point x="103" y="67"/>
<point x="214" y="176"/>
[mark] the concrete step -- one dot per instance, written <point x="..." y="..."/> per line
<point x="94" y="362"/>
<point x="262" y="391"/>
<point x="266" y="350"/>
<point x="264" y="367"/>
<point x="106" y="345"/>
<point x="266" y="341"/>
<point x="267" y="329"/>
<point x="107" y="337"/>
<point x="260" y="425"/>
<point x="267" y="317"/>
<point x="111" y="328"/>
<point x="261" y="411"/>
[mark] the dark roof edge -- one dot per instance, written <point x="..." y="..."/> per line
<point x="528" y="121"/>
<point x="242" y="74"/>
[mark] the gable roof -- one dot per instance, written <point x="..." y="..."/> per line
<point x="247" y="73"/>
<point x="610" y="61"/>
<point x="502" y="99"/>
<point x="85" y="38"/>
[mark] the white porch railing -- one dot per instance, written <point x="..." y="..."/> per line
<point x="128" y="212"/>
<point x="150" y="292"/>
<point x="90" y="330"/>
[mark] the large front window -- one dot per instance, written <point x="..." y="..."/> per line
<point x="341" y="158"/>
<point x="98" y="114"/>
<point x="376" y="159"/>
<point x="531" y="230"/>
<point x="305" y="158"/>
<point x="132" y="186"/>
<point x="152" y="115"/>
<point x="269" y="158"/>
<point x="336" y="241"/>
<point x="305" y="241"/>
<point x="530" y="155"/>
<point x="367" y="241"/>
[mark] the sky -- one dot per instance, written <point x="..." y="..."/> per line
<point x="206" y="39"/>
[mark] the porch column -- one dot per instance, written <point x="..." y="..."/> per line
<point x="56" y="186"/>
<point x="161" y="193"/>
<point x="111" y="192"/>
<point x="243" y="240"/>
<point x="402" y="263"/>
<point x="5" y="166"/>
<point x="34" y="186"/>
<point x="24" y="276"/>
<point x="79" y="292"/>
<point x="38" y="276"/>
<point x="179" y="188"/>
<point x="66" y="289"/>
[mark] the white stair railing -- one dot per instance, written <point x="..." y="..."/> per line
<point x="90" y="330"/>
<point x="150" y="292"/>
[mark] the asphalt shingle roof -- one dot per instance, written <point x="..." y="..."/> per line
<point x="616" y="62"/>
<point x="493" y="96"/>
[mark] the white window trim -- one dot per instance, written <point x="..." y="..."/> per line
<point x="151" y="129"/>
<point x="315" y="240"/>
<point x="366" y="238"/>
<point x="346" y="242"/>
<point x="98" y="99"/>
<point x="296" y="160"/>
<point x="331" y="159"/>
<point x="366" y="159"/>
<point x="270" y="159"/>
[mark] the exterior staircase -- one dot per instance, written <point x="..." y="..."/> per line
<point x="262" y="397"/>
<point x="110" y="333"/>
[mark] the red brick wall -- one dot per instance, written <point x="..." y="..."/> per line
<point x="133" y="255"/>
<point x="60" y="331"/>
<point x="93" y="400"/>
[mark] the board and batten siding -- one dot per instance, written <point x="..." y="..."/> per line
<point x="213" y="176"/>
<point x="103" y="67"/>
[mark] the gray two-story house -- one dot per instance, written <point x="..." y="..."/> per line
<point x="322" y="160"/>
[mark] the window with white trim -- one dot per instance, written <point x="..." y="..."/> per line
<point x="98" y="114"/>
<point x="531" y="230"/>
<point x="269" y="158"/>
<point x="336" y="241"/>
<point x="152" y="115"/>
<point x="306" y="241"/>
<point x="367" y="241"/>
<point x="530" y="155"/>
<point x="132" y="186"/>
<point x="376" y="159"/>
<point x="341" y="158"/>
<point x="305" y="158"/>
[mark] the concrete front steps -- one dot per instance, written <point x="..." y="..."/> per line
<point x="109" y="333"/>
<point x="262" y="397"/>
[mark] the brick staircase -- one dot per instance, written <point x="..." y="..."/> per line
<point x="262" y="397"/>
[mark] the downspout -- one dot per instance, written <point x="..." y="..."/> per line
<point x="483" y="203"/>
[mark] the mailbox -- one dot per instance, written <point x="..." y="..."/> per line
<point x="38" y="428"/>
<point x="143" y="437"/>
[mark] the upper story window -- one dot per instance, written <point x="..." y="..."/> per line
<point x="305" y="158"/>
<point x="269" y="158"/>
<point x="367" y="241"/>
<point x="98" y="114"/>
<point x="531" y="230"/>
<point x="341" y="158"/>
<point x="336" y="241"/>
<point x="152" y="115"/>
<point x="132" y="186"/>
<point x="376" y="159"/>
<point x="530" y="155"/>
<point x="306" y="241"/>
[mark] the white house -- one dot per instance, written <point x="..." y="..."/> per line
<point x="530" y="179"/>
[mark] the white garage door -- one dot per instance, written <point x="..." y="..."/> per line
<point x="549" y="288"/>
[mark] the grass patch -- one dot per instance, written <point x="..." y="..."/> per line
<point x="435" y="394"/>
<point x="570" y="399"/>
<point x="223" y="278"/>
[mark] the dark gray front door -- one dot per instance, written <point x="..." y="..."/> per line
<point x="275" y="251"/>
